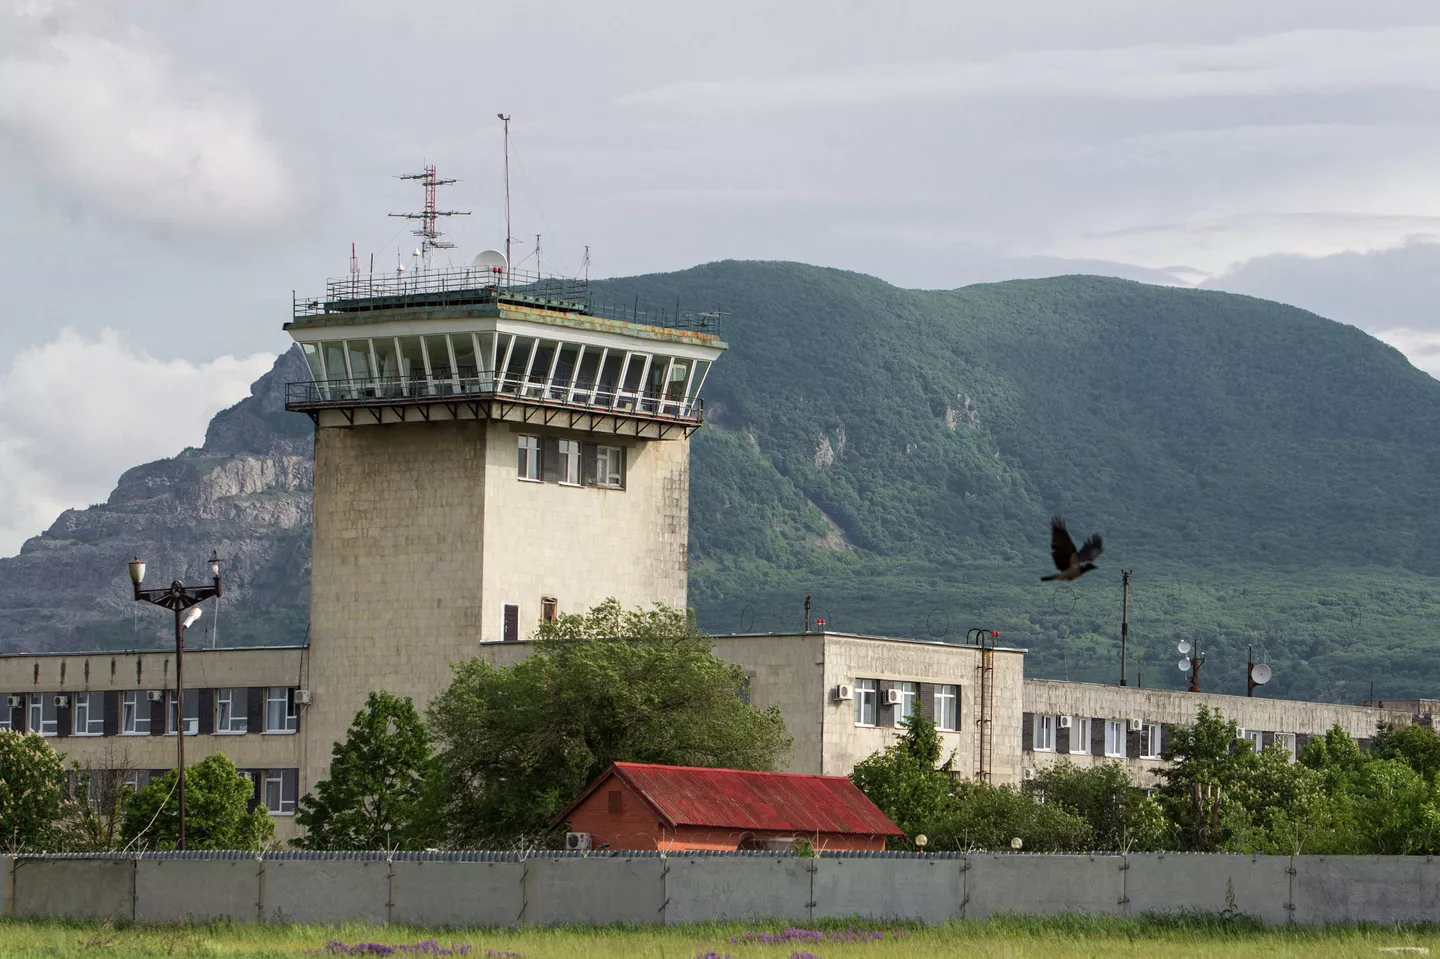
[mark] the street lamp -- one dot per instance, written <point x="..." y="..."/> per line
<point x="178" y="597"/>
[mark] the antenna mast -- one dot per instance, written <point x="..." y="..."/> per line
<point x="506" y="120"/>
<point x="429" y="231"/>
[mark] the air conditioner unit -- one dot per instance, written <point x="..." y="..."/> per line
<point x="1133" y="725"/>
<point x="1028" y="773"/>
<point x="843" y="693"/>
<point x="157" y="695"/>
<point x="893" y="697"/>
<point x="1240" y="734"/>
<point x="62" y="702"/>
<point x="16" y="702"/>
<point x="1064" y="722"/>
<point x="577" y="840"/>
<point x="302" y="697"/>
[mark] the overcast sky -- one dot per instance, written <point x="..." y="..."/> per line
<point x="170" y="171"/>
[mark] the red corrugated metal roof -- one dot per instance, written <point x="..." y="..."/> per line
<point x="745" y="799"/>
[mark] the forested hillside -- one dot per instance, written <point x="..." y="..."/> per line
<point x="1267" y="473"/>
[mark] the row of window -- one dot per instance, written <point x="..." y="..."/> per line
<point x="275" y="789"/>
<point x="523" y="366"/>
<point x="570" y="462"/>
<point x="882" y="702"/>
<point x="228" y="711"/>
<point x="1109" y="737"/>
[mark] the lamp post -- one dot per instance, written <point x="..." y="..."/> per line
<point x="178" y="597"/>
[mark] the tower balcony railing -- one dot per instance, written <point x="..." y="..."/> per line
<point x="594" y="397"/>
<point x="359" y="293"/>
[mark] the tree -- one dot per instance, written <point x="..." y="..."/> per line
<point x="1415" y="745"/>
<point x="1121" y="817"/>
<point x="92" y="816"/>
<point x="30" y="777"/>
<point x="517" y="743"/>
<point x="379" y="794"/>
<point x="903" y="781"/>
<point x="217" y="813"/>
<point x="1209" y="766"/>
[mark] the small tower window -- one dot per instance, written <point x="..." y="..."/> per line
<point x="614" y="800"/>
<point x="528" y="467"/>
<point x="549" y="608"/>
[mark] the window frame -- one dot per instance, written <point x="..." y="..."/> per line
<point x="569" y="462"/>
<point x="1080" y="734"/>
<point x="1116" y="726"/>
<point x="37" y="703"/>
<point x="527" y="463"/>
<point x="291" y="715"/>
<point x="607" y="477"/>
<point x="1257" y="740"/>
<point x="94" y="718"/>
<point x="1150" y="735"/>
<point x="549" y="609"/>
<point x="1290" y="743"/>
<point x="225" y="697"/>
<point x="1042" y="733"/>
<point x="952" y="697"/>
<point x="171" y="713"/>
<point x="283" y="806"/>
<point x="132" y="700"/>
<point x="867" y="694"/>
<point x="909" y="696"/>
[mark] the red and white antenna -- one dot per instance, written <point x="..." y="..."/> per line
<point x="429" y="232"/>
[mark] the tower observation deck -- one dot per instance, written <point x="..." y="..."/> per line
<point x="493" y="344"/>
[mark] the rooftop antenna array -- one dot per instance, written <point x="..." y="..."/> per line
<point x="429" y="232"/>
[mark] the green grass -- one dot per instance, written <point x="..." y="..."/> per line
<point x="1005" y="937"/>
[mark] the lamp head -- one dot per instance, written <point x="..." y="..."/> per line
<point x="190" y="617"/>
<point x="215" y="562"/>
<point x="137" y="571"/>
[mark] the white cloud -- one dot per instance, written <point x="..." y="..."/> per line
<point x="1296" y="61"/>
<point x="77" y="412"/>
<point x="108" y="124"/>
<point x="1421" y="347"/>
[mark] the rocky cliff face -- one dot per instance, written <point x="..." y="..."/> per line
<point x="245" y="493"/>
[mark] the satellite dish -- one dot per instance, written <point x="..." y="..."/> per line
<point x="492" y="261"/>
<point x="1184" y="647"/>
<point x="1184" y="663"/>
<point x="1260" y="674"/>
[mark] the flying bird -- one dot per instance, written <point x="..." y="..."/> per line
<point x="1071" y="563"/>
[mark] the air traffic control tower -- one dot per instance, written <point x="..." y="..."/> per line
<point x="491" y="449"/>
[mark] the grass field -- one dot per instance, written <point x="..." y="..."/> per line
<point x="994" y="939"/>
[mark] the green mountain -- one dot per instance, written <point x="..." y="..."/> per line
<point x="897" y="454"/>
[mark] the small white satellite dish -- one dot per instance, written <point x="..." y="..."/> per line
<point x="489" y="260"/>
<point x="1185" y="663"/>
<point x="1184" y="647"/>
<point x="1261" y="674"/>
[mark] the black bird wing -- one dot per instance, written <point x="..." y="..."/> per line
<point x="1062" y="547"/>
<point x="1093" y="547"/>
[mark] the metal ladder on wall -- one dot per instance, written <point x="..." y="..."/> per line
<point x="985" y="707"/>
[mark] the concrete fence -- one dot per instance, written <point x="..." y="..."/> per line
<point x="498" y="889"/>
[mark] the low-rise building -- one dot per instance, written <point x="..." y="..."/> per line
<point x="678" y="808"/>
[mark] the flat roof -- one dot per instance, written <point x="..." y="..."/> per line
<point x="153" y="649"/>
<point x="880" y="639"/>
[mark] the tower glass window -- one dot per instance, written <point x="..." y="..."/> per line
<point x="610" y="467"/>
<point x="570" y="462"/>
<point x="437" y="351"/>
<point x="412" y="364"/>
<point x="466" y="367"/>
<point x="528" y="467"/>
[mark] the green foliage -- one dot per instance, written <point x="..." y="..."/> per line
<point x="380" y="791"/>
<point x="1119" y="815"/>
<point x="954" y="814"/>
<point x="30" y="794"/>
<point x="517" y="743"/>
<point x="217" y="814"/>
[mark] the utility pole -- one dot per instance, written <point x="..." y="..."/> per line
<point x="506" y="120"/>
<point x="807" y="612"/>
<point x="1250" y="673"/>
<point x="1195" y="663"/>
<point x="1124" y="619"/>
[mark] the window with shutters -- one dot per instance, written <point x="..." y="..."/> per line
<point x="569" y="462"/>
<point x="610" y="467"/>
<point x="528" y="467"/>
<point x="135" y="714"/>
<point x="1115" y="738"/>
<point x="1080" y="736"/>
<point x="230" y="713"/>
<point x="1044" y="734"/>
<point x="89" y="714"/>
<point x="192" y="712"/>
<point x="280" y="714"/>
<point x="867" y="691"/>
<point x="947" y="708"/>
<point x="279" y="791"/>
<point x="549" y="608"/>
<point x="44" y="714"/>
<point x="511" y="627"/>
<point x="909" y="702"/>
<point x="1150" y="741"/>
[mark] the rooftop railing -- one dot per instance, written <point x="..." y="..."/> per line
<point x="438" y="288"/>
<point x="403" y="391"/>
